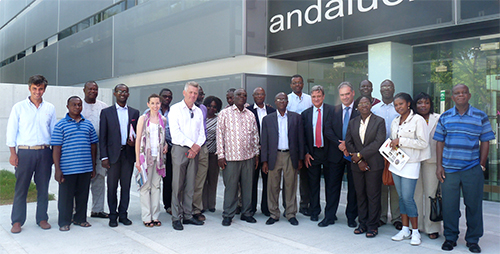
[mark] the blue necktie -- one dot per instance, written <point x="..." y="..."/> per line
<point x="344" y="127"/>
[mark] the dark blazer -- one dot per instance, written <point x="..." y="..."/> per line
<point x="374" y="138"/>
<point x="333" y="132"/>
<point x="110" y="136"/>
<point x="270" y="137"/>
<point x="269" y="110"/>
<point x="307" y="116"/>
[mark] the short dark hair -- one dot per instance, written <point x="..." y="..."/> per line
<point x="406" y="97"/>
<point x="209" y="99"/>
<point x="231" y="90"/>
<point x="297" y="76"/>
<point x="72" y="97"/>
<point x="153" y="96"/>
<point x="90" y="82"/>
<point x="116" y="87"/>
<point x="165" y="90"/>
<point x="37" y="80"/>
<point x="423" y="95"/>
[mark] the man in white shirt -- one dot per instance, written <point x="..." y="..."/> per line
<point x="91" y="111"/>
<point x="188" y="135"/>
<point x="298" y="102"/>
<point x="29" y="128"/>
<point x="385" y="109"/>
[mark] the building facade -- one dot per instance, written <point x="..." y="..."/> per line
<point x="421" y="45"/>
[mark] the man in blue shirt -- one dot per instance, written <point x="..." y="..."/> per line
<point x="462" y="134"/>
<point x="29" y="128"/>
<point x="74" y="142"/>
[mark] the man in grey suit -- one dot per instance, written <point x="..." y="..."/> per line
<point x="282" y="151"/>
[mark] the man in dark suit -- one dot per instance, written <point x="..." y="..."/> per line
<point x="316" y="149"/>
<point x="117" y="152"/>
<point x="282" y="150"/>
<point x="260" y="110"/>
<point x="336" y="129"/>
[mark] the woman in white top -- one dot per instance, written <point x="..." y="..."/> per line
<point x="427" y="183"/>
<point x="150" y="147"/>
<point x="408" y="133"/>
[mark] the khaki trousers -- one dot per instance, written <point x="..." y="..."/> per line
<point x="201" y="177"/>
<point x="283" y="164"/>
<point x="150" y="195"/>
<point x="427" y="184"/>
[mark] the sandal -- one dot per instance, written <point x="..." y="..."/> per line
<point x="157" y="223"/>
<point x="64" y="228"/>
<point x="371" y="233"/>
<point x="434" y="235"/>
<point x="149" y="224"/>
<point x="359" y="230"/>
<point x="84" y="224"/>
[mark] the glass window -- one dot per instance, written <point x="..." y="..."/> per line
<point x="475" y="63"/>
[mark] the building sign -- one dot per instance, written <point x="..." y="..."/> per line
<point x="296" y="24"/>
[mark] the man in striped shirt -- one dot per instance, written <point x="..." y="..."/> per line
<point x="462" y="134"/>
<point x="74" y="143"/>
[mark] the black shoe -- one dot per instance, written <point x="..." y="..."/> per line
<point x="113" y="223"/>
<point x="199" y="217"/>
<point x="267" y="214"/>
<point x="474" y="247"/>
<point x="352" y="223"/>
<point x="293" y="221"/>
<point x="304" y="211"/>
<point x="381" y="223"/>
<point x="284" y="214"/>
<point x="226" y="221"/>
<point x="314" y="218"/>
<point x="99" y="215"/>
<point x="212" y="210"/>
<point x="448" y="245"/>
<point x="238" y="210"/>
<point x="125" y="221"/>
<point x="271" y="221"/>
<point x="325" y="222"/>
<point x="203" y="211"/>
<point x="177" y="225"/>
<point x="193" y="221"/>
<point x="249" y="219"/>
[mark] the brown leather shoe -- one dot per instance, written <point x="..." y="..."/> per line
<point x="16" y="228"/>
<point x="44" y="224"/>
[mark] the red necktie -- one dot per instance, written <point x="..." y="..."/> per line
<point x="318" y="130"/>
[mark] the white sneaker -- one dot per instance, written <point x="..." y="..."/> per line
<point x="401" y="235"/>
<point x="415" y="239"/>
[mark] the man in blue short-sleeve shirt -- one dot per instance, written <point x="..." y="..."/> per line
<point x="462" y="134"/>
<point x="74" y="143"/>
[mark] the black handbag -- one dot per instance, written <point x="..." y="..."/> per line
<point x="436" y="206"/>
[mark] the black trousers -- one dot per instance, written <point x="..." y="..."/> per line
<point x="167" y="181"/>
<point x="263" y="202"/>
<point x="319" y="164"/>
<point x="75" y="187"/>
<point x="334" y="189"/>
<point x="368" y="191"/>
<point x="121" y="172"/>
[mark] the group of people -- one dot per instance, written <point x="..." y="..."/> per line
<point x="188" y="143"/>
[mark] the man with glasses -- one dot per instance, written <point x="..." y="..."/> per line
<point x="116" y="145"/>
<point x="188" y="135"/>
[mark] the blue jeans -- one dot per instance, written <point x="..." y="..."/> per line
<point x="406" y="191"/>
<point x="471" y="182"/>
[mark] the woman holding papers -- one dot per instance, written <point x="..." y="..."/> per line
<point x="364" y="136"/>
<point x="408" y="133"/>
<point x="427" y="183"/>
<point x="150" y="146"/>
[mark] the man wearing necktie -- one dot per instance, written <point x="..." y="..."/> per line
<point x="339" y="159"/>
<point x="316" y="149"/>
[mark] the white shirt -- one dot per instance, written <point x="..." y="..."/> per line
<point x="315" y="119"/>
<point x="261" y="112"/>
<point x="388" y="113"/>
<point x="186" y="131"/>
<point x="92" y="112"/>
<point x="29" y="125"/>
<point x="122" y="113"/>
<point x="362" y="128"/>
<point x="298" y="104"/>
<point x="282" y="131"/>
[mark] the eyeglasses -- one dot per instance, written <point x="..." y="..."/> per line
<point x="191" y="112"/>
<point x="122" y="92"/>
<point x="281" y="100"/>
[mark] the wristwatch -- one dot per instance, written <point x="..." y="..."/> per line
<point x="359" y="155"/>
